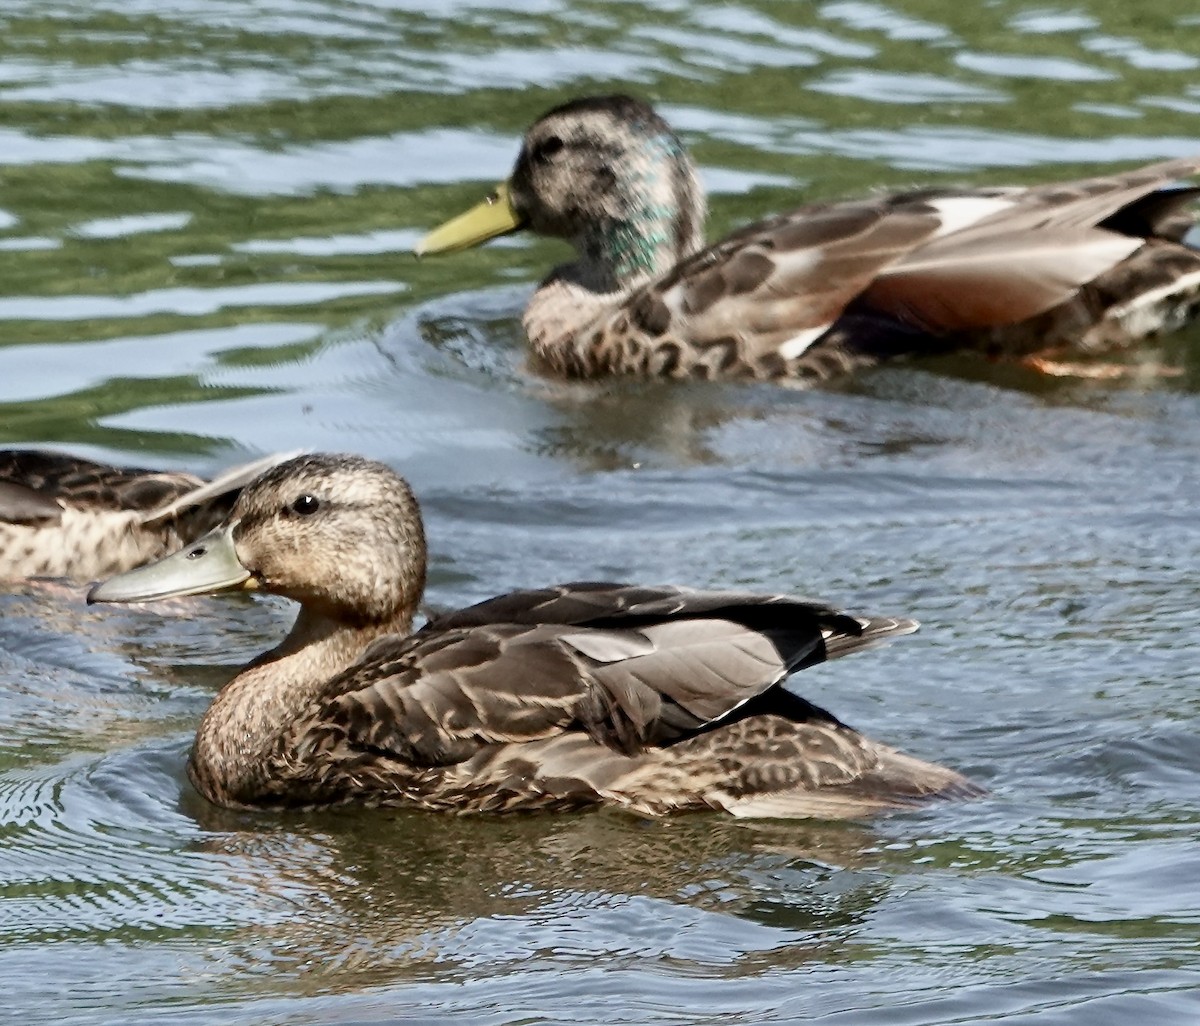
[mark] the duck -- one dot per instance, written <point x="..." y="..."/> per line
<point x="1026" y="273"/>
<point x="649" y="699"/>
<point x="64" y="516"/>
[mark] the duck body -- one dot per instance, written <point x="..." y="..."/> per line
<point x="1085" y="266"/>
<point x="650" y="699"/>
<point x="64" y="516"/>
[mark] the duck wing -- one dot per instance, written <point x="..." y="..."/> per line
<point x="630" y="668"/>
<point x="21" y="504"/>
<point x="602" y="603"/>
<point x="35" y="486"/>
<point x="1098" y="201"/>
<point x="1032" y="251"/>
<point x="933" y="261"/>
<point x="977" y="280"/>
<point x="778" y="285"/>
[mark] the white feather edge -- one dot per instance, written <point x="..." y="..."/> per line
<point x="959" y="212"/>
<point x="802" y="341"/>
<point x="1085" y="252"/>
<point x="234" y="477"/>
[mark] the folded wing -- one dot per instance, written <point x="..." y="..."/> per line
<point x="628" y="667"/>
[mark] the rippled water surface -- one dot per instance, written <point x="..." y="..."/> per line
<point x="206" y="208"/>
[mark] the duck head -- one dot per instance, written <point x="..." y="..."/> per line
<point x="339" y="534"/>
<point x="607" y="174"/>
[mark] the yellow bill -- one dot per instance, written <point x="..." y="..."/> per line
<point x="209" y="564"/>
<point x="494" y="216"/>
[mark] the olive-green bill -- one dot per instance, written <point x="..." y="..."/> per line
<point x="209" y="564"/>
<point x="494" y="216"/>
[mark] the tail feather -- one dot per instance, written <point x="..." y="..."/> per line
<point x="874" y="631"/>
<point x="898" y="782"/>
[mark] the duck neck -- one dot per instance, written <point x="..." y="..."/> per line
<point x="253" y="713"/>
<point x="659" y="218"/>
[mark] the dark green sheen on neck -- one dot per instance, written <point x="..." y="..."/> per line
<point x="658" y="229"/>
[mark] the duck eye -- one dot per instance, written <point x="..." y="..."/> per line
<point x="547" y="148"/>
<point x="306" y="504"/>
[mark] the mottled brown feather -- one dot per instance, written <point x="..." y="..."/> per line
<point x="21" y="504"/>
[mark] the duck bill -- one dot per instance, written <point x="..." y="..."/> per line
<point x="207" y="565"/>
<point x="494" y="216"/>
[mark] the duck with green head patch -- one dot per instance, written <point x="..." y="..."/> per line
<point x="1078" y="266"/>
<point x="651" y="699"/>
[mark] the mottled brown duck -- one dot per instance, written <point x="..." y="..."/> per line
<point x="651" y="699"/>
<point x="63" y="516"/>
<point x="1064" y="268"/>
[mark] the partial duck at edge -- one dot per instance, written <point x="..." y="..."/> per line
<point x="65" y="516"/>
<point x="1063" y="268"/>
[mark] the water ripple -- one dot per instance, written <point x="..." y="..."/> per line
<point x="190" y="302"/>
<point x="181" y="180"/>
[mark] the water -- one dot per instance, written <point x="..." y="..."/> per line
<point x="205" y="216"/>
